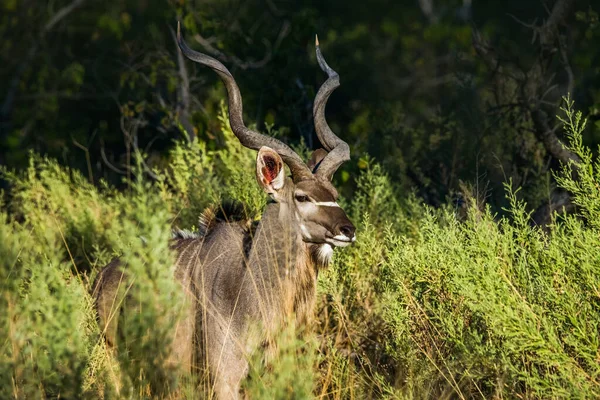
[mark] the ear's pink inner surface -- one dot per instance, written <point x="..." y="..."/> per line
<point x="271" y="169"/>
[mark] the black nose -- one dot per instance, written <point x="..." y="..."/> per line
<point x="347" y="230"/>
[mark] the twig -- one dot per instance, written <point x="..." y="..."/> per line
<point x="283" y="32"/>
<point x="60" y="14"/>
<point x="232" y="59"/>
<point x="132" y="139"/>
<point x="566" y="65"/>
<point x="108" y="163"/>
<point x="87" y="158"/>
<point x="128" y="169"/>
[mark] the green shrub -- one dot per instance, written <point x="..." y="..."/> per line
<point x="426" y="304"/>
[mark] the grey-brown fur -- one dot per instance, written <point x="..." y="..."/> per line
<point x="235" y="287"/>
<point x="244" y="281"/>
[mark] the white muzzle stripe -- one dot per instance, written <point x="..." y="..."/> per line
<point x="344" y="238"/>
<point x="326" y="204"/>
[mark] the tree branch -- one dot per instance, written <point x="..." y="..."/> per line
<point x="537" y="92"/>
<point x="549" y="30"/>
<point x="547" y="136"/>
<point x="183" y="93"/>
<point x="207" y="44"/>
<point x="60" y="14"/>
<point x="484" y="50"/>
<point x="232" y="59"/>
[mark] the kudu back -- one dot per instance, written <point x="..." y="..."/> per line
<point x="239" y="277"/>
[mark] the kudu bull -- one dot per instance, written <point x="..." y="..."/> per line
<point x="237" y="277"/>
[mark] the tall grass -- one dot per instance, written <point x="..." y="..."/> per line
<point x="426" y="304"/>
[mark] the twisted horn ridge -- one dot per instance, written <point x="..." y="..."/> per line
<point x="339" y="151"/>
<point x="248" y="138"/>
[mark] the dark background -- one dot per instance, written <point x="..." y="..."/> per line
<point x="453" y="97"/>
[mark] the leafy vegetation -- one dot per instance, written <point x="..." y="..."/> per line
<point x="452" y="289"/>
<point x="439" y="92"/>
<point x="429" y="302"/>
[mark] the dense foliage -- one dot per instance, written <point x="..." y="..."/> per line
<point x="468" y="278"/>
<point x="429" y="303"/>
<point x="439" y="92"/>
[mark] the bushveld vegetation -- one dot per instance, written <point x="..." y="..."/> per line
<point x="429" y="302"/>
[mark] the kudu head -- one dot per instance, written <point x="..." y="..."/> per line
<point x="308" y="195"/>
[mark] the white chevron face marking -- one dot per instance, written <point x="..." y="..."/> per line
<point x="326" y="204"/>
<point x="305" y="232"/>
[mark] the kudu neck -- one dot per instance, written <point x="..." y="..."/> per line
<point x="283" y="222"/>
<point x="295" y="262"/>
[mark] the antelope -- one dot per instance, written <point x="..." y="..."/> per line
<point x="237" y="277"/>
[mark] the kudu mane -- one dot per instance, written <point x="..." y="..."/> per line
<point x="225" y="212"/>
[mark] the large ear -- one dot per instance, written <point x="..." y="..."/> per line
<point x="269" y="170"/>
<point x="317" y="156"/>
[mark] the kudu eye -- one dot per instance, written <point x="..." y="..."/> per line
<point x="301" y="198"/>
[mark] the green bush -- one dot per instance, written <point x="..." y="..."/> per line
<point x="427" y="304"/>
